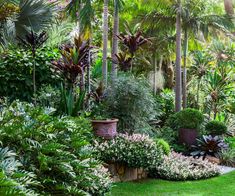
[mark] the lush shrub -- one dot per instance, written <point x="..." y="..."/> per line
<point x="168" y="134"/>
<point x="179" y="167"/>
<point x="188" y="118"/>
<point x="131" y="101"/>
<point x="134" y="150"/>
<point x="48" y="96"/>
<point x="166" y="103"/>
<point x="16" y="78"/>
<point x="14" y="180"/>
<point x="230" y="141"/>
<point x="56" y="150"/>
<point x="216" y="127"/>
<point x="164" y="146"/>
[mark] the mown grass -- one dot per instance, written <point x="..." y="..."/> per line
<point x="219" y="186"/>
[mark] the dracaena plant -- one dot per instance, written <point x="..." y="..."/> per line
<point x="132" y="42"/>
<point x="72" y="68"/>
<point x="33" y="41"/>
<point x="123" y="60"/>
<point x="209" y="145"/>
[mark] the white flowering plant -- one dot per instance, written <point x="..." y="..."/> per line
<point x="179" y="167"/>
<point x="135" y="151"/>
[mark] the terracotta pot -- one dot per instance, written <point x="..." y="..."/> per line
<point x="188" y="136"/>
<point x="105" y="128"/>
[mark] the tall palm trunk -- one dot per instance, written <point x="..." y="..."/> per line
<point x="228" y="6"/>
<point x="105" y="43"/>
<point x="115" y="39"/>
<point x="154" y="73"/>
<point x="184" y="82"/>
<point x="178" y="84"/>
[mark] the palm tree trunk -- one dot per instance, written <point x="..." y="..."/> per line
<point x="198" y="91"/>
<point x="178" y="84"/>
<point x="154" y="74"/>
<point x="115" y="39"/>
<point x="105" y="43"/>
<point x="34" y="80"/>
<point x="228" y="6"/>
<point x="184" y="82"/>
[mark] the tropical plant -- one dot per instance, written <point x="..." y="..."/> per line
<point x="142" y="151"/>
<point x="179" y="167"/>
<point x="216" y="128"/>
<point x="123" y="60"/>
<point x="32" y="15"/>
<point x="56" y="150"/>
<point x="199" y="70"/>
<point x="209" y="145"/>
<point x="72" y="67"/>
<point x="218" y="88"/>
<point x="14" y="181"/>
<point x="33" y="42"/>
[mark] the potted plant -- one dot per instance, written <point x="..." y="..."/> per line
<point x="103" y="125"/>
<point x="189" y="121"/>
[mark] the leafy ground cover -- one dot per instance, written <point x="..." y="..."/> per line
<point x="222" y="185"/>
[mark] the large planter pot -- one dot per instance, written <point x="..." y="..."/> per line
<point x="188" y="136"/>
<point x="105" y="128"/>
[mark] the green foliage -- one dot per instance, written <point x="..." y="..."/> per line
<point x="133" y="150"/>
<point x="227" y="157"/>
<point x="166" y="101"/>
<point x="216" y="127"/>
<point x="230" y="141"/>
<point x="179" y="167"/>
<point x="164" y="146"/>
<point x="56" y="150"/>
<point x="71" y="104"/>
<point x="189" y="118"/>
<point x="14" y="180"/>
<point x="16" y="77"/>
<point x="48" y="96"/>
<point x="130" y="100"/>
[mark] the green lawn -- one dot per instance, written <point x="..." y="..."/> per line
<point x="221" y="186"/>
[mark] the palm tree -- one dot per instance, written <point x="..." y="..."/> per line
<point x="228" y="6"/>
<point x="105" y="43"/>
<point x="114" y="38"/>
<point x="32" y="15"/>
<point x="178" y="86"/>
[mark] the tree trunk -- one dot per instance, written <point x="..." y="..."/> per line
<point x="228" y="6"/>
<point x="184" y="83"/>
<point x="198" y="91"/>
<point x="115" y="39"/>
<point x="178" y="84"/>
<point x="154" y="74"/>
<point x="105" y="43"/>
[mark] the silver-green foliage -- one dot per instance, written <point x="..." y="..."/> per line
<point x="130" y="100"/>
<point x="56" y="150"/>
